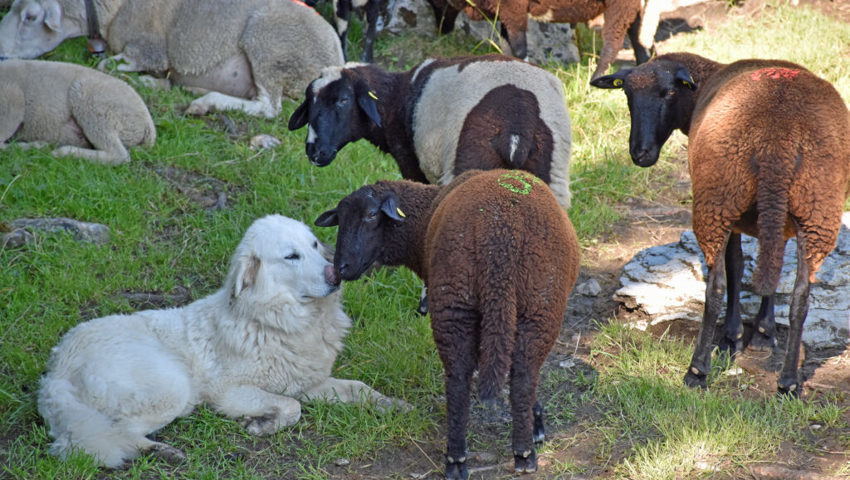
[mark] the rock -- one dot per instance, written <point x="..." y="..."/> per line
<point x="589" y="288"/>
<point x="23" y="230"/>
<point x="546" y="41"/>
<point x="667" y="282"/>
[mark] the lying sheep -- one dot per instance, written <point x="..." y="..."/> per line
<point x="768" y="157"/>
<point x="443" y="117"/>
<point x="246" y="53"/>
<point x="621" y="17"/>
<point x="499" y="258"/>
<point x="86" y="113"/>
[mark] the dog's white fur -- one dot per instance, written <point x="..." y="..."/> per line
<point x="275" y="327"/>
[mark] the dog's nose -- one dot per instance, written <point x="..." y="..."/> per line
<point x="331" y="277"/>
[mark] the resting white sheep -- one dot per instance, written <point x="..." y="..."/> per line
<point x="246" y="53"/>
<point x="86" y="113"/>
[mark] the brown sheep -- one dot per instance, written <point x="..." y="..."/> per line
<point x="621" y="17"/>
<point x="499" y="257"/>
<point x="768" y="157"/>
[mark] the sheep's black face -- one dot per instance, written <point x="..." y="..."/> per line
<point x="336" y="113"/>
<point x="362" y="218"/>
<point x="658" y="95"/>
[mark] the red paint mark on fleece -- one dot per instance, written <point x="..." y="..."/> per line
<point x="299" y="2"/>
<point x="774" y="73"/>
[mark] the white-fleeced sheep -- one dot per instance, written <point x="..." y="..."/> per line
<point x="768" y="157"/>
<point x="246" y="53"/>
<point x="443" y="117"/>
<point x="85" y="113"/>
<point x="499" y="257"/>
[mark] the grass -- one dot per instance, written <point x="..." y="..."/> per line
<point x="627" y="397"/>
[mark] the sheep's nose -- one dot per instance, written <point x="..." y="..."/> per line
<point x="343" y="269"/>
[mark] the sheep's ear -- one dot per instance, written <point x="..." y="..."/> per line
<point x="389" y="205"/>
<point x="615" y="80"/>
<point x="246" y="273"/>
<point x="367" y="100"/>
<point x="683" y="77"/>
<point x="327" y="219"/>
<point x="53" y="16"/>
<point x="299" y="116"/>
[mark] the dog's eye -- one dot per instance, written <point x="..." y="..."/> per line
<point x="315" y="244"/>
<point x="292" y="256"/>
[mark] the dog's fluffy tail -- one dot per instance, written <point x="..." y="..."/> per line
<point x="78" y="426"/>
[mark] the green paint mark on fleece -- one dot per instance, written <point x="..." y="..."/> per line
<point x="525" y="179"/>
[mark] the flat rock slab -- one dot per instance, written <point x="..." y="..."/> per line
<point x="667" y="283"/>
<point x="23" y="230"/>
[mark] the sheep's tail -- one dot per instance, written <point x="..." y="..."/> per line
<point x="496" y="347"/>
<point x="772" y="190"/>
<point x="77" y="426"/>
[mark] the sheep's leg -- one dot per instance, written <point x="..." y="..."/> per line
<point x="764" y="326"/>
<point x="216" y="101"/>
<point x="342" y="15"/>
<point x="372" y="21"/>
<point x="617" y="21"/>
<point x="456" y="338"/>
<point x="641" y="55"/>
<point x="525" y="372"/>
<point x="788" y="381"/>
<point x="539" y="431"/>
<point x="444" y="16"/>
<point x="732" y="340"/>
<point x="701" y="362"/>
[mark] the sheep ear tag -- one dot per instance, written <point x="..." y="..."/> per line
<point x="391" y="209"/>
<point x="369" y="106"/>
<point x="684" y="78"/>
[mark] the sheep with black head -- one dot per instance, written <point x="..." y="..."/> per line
<point x="769" y="157"/>
<point x="499" y="257"/>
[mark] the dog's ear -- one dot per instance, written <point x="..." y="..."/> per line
<point x="246" y="273"/>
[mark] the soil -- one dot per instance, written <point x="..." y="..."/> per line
<point x="646" y="225"/>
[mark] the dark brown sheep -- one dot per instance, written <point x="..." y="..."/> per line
<point x="768" y="157"/>
<point x="499" y="257"/>
<point x="621" y="17"/>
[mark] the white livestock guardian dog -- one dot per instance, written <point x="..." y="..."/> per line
<point x="267" y="338"/>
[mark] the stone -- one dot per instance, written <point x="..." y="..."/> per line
<point x="589" y="288"/>
<point x="24" y="230"/>
<point x="667" y="283"/>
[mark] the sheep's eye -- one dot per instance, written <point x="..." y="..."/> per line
<point x="292" y="256"/>
<point x="372" y="215"/>
<point x="671" y="92"/>
<point x="342" y="102"/>
<point x="30" y="18"/>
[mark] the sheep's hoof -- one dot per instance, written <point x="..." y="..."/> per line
<point x="762" y="342"/>
<point x="525" y="462"/>
<point x="695" y="378"/>
<point x="539" y="432"/>
<point x="788" y="388"/>
<point x="456" y="470"/>
<point x="731" y="347"/>
<point x="423" y="306"/>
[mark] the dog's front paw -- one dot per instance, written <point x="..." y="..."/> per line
<point x="263" y="425"/>
<point x="166" y="452"/>
<point x="386" y="404"/>
<point x="197" y="108"/>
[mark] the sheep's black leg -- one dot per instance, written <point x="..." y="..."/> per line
<point x="701" y="361"/>
<point x="456" y="336"/>
<point x="372" y="21"/>
<point x="444" y="16"/>
<point x="342" y="12"/>
<point x="788" y="383"/>
<point x="732" y="340"/>
<point x="764" y="326"/>
<point x="524" y="377"/>
<point x="641" y="53"/>
<point x="539" y="431"/>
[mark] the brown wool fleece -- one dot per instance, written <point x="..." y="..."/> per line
<point x="766" y="136"/>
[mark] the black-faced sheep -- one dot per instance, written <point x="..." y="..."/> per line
<point x="499" y="258"/>
<point x="443" y="117"/>
<point x="246" y="53"/>
<point x="86" y="113"/>
<point x="768" y="157"/>
<point x="621" y="17"/>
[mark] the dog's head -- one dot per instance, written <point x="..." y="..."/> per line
<point x="279" y="260"/>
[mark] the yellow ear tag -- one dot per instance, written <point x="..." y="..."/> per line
<point x="401" y="214"/>
<point x="617" y="82"/>
<point x="687" y="84"/>
<point x="374" y="97"/>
